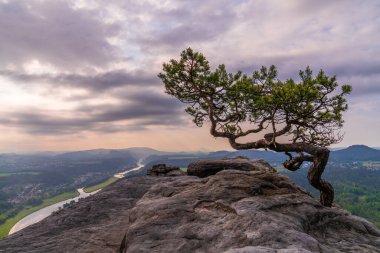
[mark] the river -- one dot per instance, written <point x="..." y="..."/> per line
<point x="124" y="173"/>
<point x="46" y="211"/>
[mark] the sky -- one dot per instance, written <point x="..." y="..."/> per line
<point x="83" y="74"/>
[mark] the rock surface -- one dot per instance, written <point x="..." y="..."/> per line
<point x="230" y="212"/>
<point x="164" y="170"/>
<point x="205" y="168"/>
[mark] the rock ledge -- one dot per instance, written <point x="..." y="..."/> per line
<point x="205" y="168"/>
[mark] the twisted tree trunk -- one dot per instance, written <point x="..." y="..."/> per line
<point x="314" y="176"/>
<point x="317" y="155"/>
<point x="319" y="158"/>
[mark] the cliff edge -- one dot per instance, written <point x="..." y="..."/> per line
<point x="230" y="206"/>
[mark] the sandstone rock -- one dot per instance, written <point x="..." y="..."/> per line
<point x="164" y="170"/>
<point x="205" y="168"/>
<point x="230" y="212"/>
<point x="243" y="212"/>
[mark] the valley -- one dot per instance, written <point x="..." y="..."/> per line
<point x="31" y="182"/>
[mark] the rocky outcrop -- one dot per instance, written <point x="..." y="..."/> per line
<point x="232" y="211"/>
<point x="205" y="168"/>
<point x="164" y="170"/>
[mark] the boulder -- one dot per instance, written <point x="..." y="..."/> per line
<point x="164" y="170"/>
<point x="238" y="211"/>
<point x="205" y="168"/>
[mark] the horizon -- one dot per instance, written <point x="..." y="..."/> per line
<point x="83" y="75"/>
<point x="159" y="150"/>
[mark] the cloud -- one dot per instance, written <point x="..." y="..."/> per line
<point x="45" y="124"/>
<point x="340" y="37"/>
<point x="144" y="105"/>
<point x="95" y="82"/>
<point x="54" y="32"/>
<point x="140" y="110"/>
<point x="188" y="22"/>
<point x="360" y="71"/>
<point x="113" y="52"/>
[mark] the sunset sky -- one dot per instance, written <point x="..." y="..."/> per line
<point x="83" y="74"/>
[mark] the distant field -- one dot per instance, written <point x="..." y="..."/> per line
<point x="6" y="227"/>
<point x="7" y="174"/>
<point x="100" y="186"/>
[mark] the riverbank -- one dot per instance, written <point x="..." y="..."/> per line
<point x="46" y="211"/>
<point x="113" y="179"/>
<point x="7" y="226"/>
<point x="32" y="215"/>
<point x="100" y="185"/>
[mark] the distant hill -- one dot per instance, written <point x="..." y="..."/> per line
<point x="147" y="155"/>
<point x="95" y="154"/>
<point x="350" y="154"/>
<point x="141" y="153"/>
<point x="136" y="154"/>
<point x="182" y="159"/>
<point x="355" y="153"/>
<point x="252" y="154"/>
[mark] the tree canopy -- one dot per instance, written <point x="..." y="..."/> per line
<point x="300" y="118"/>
